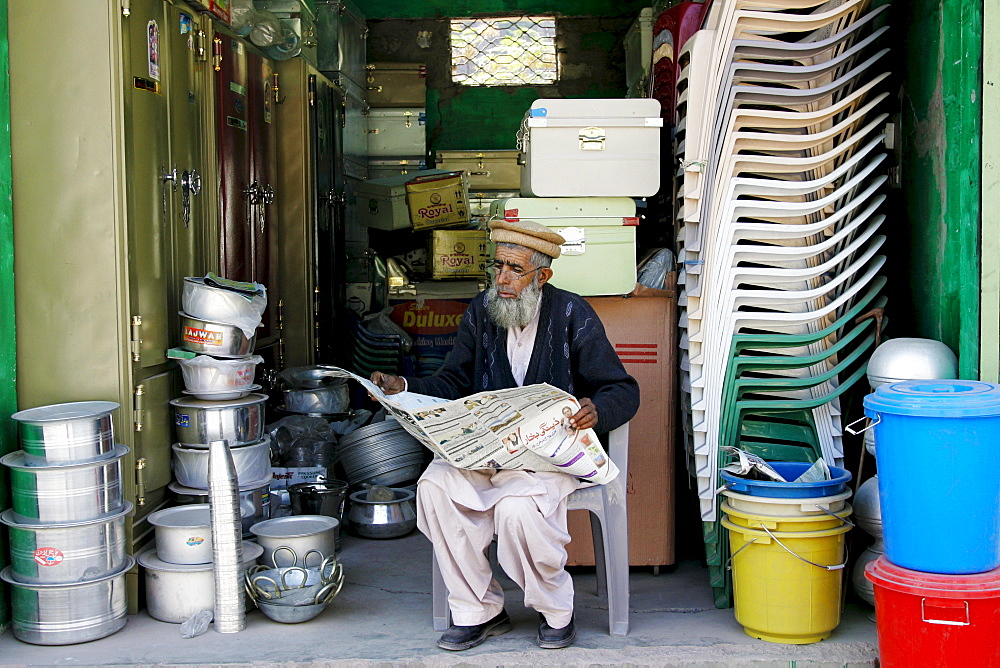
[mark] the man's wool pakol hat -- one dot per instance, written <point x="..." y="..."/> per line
<point x="527" y="233"/>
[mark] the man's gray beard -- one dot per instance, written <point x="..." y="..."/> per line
<point x="517" y="311"/>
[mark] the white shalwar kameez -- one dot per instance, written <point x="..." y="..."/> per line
<point x="461" y="510"/>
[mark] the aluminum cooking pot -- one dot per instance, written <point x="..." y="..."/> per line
<point x="252" y="462"/>
<point x="73" y="433"/>
<point x="302" y="534"/>
<point x="67" y="553"/>
<point x="217" y="339"/>
<point x="237" y="421"/>
<point x="66" y="493"/>
<point x="383" y="519"/>
<point x="64" y="614"/>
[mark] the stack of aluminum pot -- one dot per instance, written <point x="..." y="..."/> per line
<point x="218" y="324"/>
<point x="67" y="525"/>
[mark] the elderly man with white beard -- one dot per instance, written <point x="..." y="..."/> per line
<point x="520" y="331"/>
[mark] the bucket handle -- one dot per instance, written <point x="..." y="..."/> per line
<point x="835" y="567"/>
<point x="836" y="516"/>
<point x="728" y="564"/>
<point x="947" y="622"/>
<point x="861" y="431"/>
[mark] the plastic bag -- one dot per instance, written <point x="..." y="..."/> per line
<point x="653" y="273"/>
<point x="196" y="624"/>
<point x="302" y="441"/>
<point x="381" y="323"/>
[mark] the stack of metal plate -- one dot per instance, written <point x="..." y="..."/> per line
<point x="382" y="453"/>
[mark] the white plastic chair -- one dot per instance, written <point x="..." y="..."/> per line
<point x="606" y="504"/>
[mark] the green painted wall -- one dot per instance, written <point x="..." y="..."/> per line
<point x="8" y="396"/>
<point x="415" y="9"/>
<point x="940" y="119"/>
<point x="592" y="65"/>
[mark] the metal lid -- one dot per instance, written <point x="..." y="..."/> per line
<point x="935" y="398"/>
<point x="293" y="526"/>
<point x="149" y="559"/>
<point x="72" y="411"/>
<point x="206" y="404"/>
<point x="7" y="517"/>
<point x="15" y="460"/>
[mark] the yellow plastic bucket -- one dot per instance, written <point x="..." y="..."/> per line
<point x="787" y="584"/>
<point x="817" y="522"/>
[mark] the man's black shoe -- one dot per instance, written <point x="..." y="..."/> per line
<point x="458" y="638"/>
<point x="550" y="638"/>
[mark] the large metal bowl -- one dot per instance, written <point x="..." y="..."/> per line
<point x="911" y="359"/>
<point x="218" y="304"/>
<point x="65" y="614"/>
<point x="217" y="339"/>
<point x="383" y="519"/>
<point x="252" y="462"/>
<point x="66" y="493"/>
<point x="66" y="553"/>
<point x="198" y="422"/>
<point x="73" y="433"/>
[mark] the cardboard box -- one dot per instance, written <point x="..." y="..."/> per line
<point x="432" y="317"/>
<point x="459" y="253"/>
<point x="438" y="200"/>
<point x="643" y="330"/>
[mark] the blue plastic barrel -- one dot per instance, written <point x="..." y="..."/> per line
<point x="939" y="473"/>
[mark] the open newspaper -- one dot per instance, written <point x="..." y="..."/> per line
<point x="521" y="428"/>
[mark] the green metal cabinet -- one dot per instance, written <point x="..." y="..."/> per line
<point x="103" y="109"/>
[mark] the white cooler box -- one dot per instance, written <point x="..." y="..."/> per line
<point x="598" y="257"/>
<point x="591" y="148"/>
<point x="381" y="203"/>
<point x="395" y="132"/>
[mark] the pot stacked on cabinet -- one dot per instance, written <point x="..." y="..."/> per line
<point x="218" y="322"/>
<point x="180" y="579"/>
<point x="67" y="525"/>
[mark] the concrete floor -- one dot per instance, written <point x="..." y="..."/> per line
<point x="382" y="617"/>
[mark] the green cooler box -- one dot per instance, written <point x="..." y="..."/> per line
<point x="598" y="257"/>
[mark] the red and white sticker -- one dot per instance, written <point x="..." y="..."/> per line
<point x="48" y="556"/>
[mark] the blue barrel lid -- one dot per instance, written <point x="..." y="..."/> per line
<point x="935" y="398"/>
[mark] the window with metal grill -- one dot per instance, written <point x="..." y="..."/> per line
<point x="508" y="51"/>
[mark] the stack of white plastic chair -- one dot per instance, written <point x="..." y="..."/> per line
<point x="780" y="170"/>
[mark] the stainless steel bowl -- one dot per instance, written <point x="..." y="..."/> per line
<point x="255" y="501"/>
<point x="252" y="462"/>
<point x="73" y="433"/>
<point x="65" y="614"/>
<point x="66" y="553"/>
<point x="183" y="534"/>
<point x="198" y="422"/>
<point x="302" y="534"/>
<point x="66" y="493"/>
<point x="217" y="339"/>
<point x="383" y="519"/>
<point x="218" y="304"/>
<point x="174" y="592"/>
<point x="911" y="359"/>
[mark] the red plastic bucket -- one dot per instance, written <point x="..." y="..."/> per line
<point x="930" y="619"/>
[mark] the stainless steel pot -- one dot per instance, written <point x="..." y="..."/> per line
<point x="252" y="462"/>
<point x="383" y="519"/>
<point x="911" y="359"/>
<point x="64" y="614"/>
<point x="73" y="433"/>
<point x="183" y="534"/>
<point x="174" y="592"/>
<point x="320" y="498"/>
<point x="330" y="400"/>
<point x="255" y="502"/>
<point x="217" y="339"/>
<point x="238" y="421"/>
<point x="302" y="534"/>
<point x="67" y="493"/>
<point x="66" y="553"/>
<point x="219" y="304"/>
